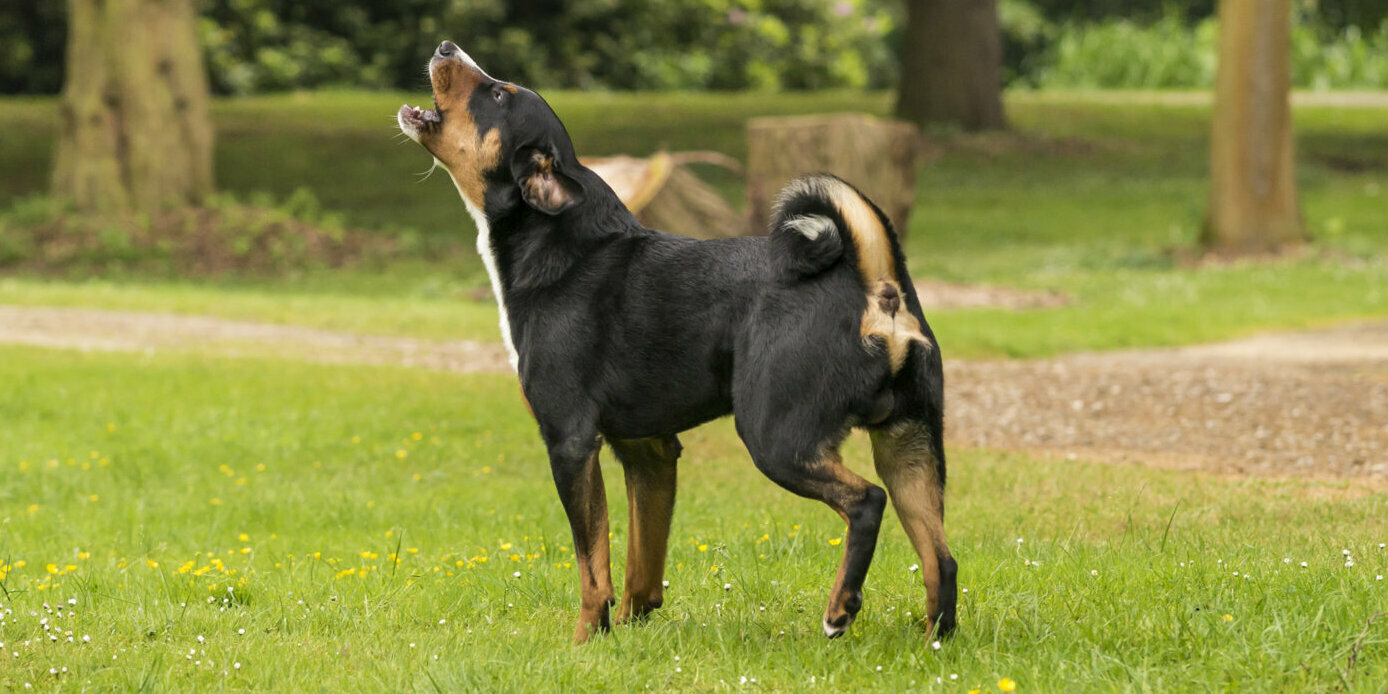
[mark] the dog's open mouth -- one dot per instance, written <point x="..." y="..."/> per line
<point x="414" y="120"/>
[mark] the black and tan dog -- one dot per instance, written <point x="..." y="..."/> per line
<point x="629" y="335"/>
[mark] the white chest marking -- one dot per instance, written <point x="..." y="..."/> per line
<point x="484" y="249"/>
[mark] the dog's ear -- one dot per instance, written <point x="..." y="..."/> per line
<point x="542" y="185"/>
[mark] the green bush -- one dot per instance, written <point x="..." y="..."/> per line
<point x="224" y="236"/>
<point x="1171" y="53"/>
<point x="260" y="45"/>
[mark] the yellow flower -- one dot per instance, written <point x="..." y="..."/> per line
<point x="401" y="453"/>
<point x="33" y="508"/>
<point x="346" y="572"/>
<point x="110" y="427"/>
<point x="93" y="497"/>
<point x="836" y="541"/>
<point x="84" y="555"/>
<point x="416" y="436"/>
<point x="1228" y="618"/>
<point x="245" y="550"/>
<point x="69" y="568"/>
<point x="152" y="564"/>
<point x="52" y="568"/>
<point x="703" y="548"/>
<point x="244" y="537"/>
<point x="215" y="501"/>
<point x="974" y="690"/>
<point x="505" y="545"/>
<point x="1006" y="684"/>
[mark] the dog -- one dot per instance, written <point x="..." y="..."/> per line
<point x="630" y="336"/>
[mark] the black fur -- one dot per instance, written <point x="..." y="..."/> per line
<point x="624" y="332"/>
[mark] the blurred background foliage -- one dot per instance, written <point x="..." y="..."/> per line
<point x="255" y="46"/>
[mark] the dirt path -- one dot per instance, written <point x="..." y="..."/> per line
<point x="1304" y="404"/>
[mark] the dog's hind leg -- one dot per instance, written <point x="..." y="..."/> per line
<point x="649" y="465"/>
<point x="910" y="460"/>
<point x="578" y="477"/>
<point x="859" y="502"/>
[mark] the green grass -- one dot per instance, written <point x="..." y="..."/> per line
<point x="162" y="482"/>
<point x="1092" y="195"/>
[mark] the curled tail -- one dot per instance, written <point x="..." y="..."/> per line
<point x="815" y="216"/>
<point x="820" y="220"/>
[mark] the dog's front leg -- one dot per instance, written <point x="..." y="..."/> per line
<point x="578" y="477"/>
<point x="649" y="467"/>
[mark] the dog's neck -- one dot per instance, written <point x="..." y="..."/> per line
<point x="527" y="251"/>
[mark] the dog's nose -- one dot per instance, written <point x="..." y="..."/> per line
<point x="447" y="48"/>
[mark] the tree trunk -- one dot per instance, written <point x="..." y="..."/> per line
<point x="1253" y="202"/>
<point x="136" y="132"/>
<point x="951" y="64"/>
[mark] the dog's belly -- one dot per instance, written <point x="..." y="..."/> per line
<point x="664" y="401"/>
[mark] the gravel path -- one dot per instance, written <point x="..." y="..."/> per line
<point x="1310" y="404"/>
<point x="1303" y="404"/>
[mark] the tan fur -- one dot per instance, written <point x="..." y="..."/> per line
<point x="840" y="488"/>
<point x="542" y="188"/>
<point x="592" y="554"/>
<point x="467" y="154"/>
<point x="649" y="466"/>
<point x="869" y="236"/>
<point x="908" y="469"/>
<point x="878" y="269"/>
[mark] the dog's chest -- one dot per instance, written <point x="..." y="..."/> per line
<point x="488" y="253"/>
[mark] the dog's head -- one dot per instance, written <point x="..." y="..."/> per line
<point x="502" y="144"/>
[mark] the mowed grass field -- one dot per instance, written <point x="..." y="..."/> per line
<point x="186" y="524"/>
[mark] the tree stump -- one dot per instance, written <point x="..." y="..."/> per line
<point x="664" y="194"/>
<point x="877" y="156"/>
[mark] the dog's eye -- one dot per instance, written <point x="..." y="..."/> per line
<point x="499" y="94"/>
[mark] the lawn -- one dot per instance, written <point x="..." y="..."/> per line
<point x="185" y="523"/>
<point x="1093" y="196"/>
<point x="182" y="522"/>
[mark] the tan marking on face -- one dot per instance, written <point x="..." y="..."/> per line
<point x="510" y="88"/>
<point x="466" y="153"/>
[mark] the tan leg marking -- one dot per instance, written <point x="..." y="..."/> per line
<point x="649" y="466"/>
<point x="592" y="553"/>
<point x="844" y="491"/>
<point x="907" y="467"/>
